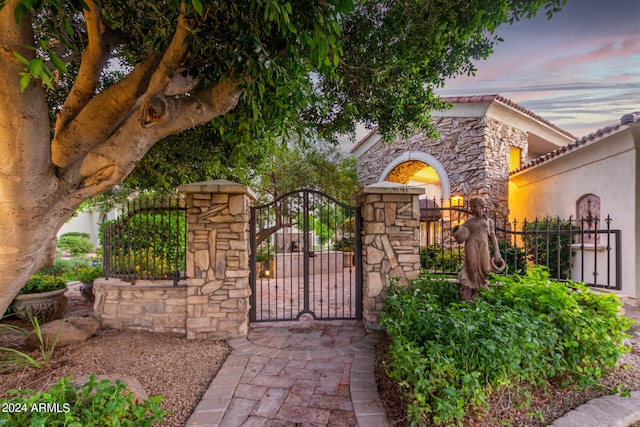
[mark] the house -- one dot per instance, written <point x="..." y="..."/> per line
<point x="88" y="222"/>
<point x="595" y="176"/>
<point x="524" y="167"/>
<point x="481" y="139"/>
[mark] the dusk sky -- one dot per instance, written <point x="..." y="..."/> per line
<point x="580" y="70"/>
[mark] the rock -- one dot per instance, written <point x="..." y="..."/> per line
<point x="133" y="385"/>
<point x="72" y="330"/>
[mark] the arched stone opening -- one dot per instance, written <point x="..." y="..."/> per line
<point x="420" y="170"/>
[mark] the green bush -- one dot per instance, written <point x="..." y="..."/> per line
<point x="41" y="282"/>
<point x="92" y="404"/>
<point x="515" y="259"/>
<point x="442" y="260"/>
<point x="552" y="250"/>
<point x="150" y="244"/>
<point x="450" y="355"/>
<point x="76" y="244"/>
<point x="88" y="274"/>
<point x="346" y="244"/>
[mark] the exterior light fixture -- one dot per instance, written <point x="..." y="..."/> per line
<point x="457" y="201"/>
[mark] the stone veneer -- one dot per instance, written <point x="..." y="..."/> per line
<point x="149" y="306"/>
<point x="218" y="289"/>
<point x="390" y="242"/>
<point x="214" y="301"/>
<point x="473" y="151"/>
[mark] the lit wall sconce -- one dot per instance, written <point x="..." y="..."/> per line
<point x="457" y="201"/>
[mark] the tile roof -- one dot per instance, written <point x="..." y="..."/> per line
<point x="508" y="102"/>
<point x="624" y="120"/>
<point x="483" y="98"/>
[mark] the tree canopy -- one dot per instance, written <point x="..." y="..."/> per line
<point x="251" y="69"/>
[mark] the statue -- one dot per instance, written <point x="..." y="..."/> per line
<point x="477" y="233"/>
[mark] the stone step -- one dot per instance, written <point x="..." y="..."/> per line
<point x="607" y="411"/>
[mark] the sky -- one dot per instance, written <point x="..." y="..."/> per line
<point x="580" y="70"/>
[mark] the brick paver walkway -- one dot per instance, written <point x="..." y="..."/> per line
<point x="296" y="373"/>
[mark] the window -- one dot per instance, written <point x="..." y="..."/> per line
<point x="515" y="154"/>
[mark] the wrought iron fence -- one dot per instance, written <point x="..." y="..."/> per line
<point x="580" y="249"/>
<point x="147" y="241"/>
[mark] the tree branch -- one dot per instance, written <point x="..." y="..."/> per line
<point x="94" y="123"/>
<point x="93" y="61"/>
<point x="174" y="56"/>
<point x="77" y="130"/>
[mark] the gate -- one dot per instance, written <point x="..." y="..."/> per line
<point x="306" y="258"/>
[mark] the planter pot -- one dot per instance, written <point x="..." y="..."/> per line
<point x="86" y="290"/>
<point x="349" y="259"/>
<point x="45" y="306"/>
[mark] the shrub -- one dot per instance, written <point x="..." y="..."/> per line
<point x="547" y="242"/>
<point x="450" y="355"/>
<point x="41" y="282"/>
<point x="147" y="244"/>
<point x="92" y="404"/>
<point x="514" y="257"/>
<point x="144" y="262"/>
<point x="76" y="244"/>
<point x="439" y="259"/>
<point x="88" y="274"/>
<point x="346" y="244"/>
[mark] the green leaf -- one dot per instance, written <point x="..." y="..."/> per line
<point x="197" y="5"/>
<point x="19" y="12"/>
<point x="58" y="62"/>
<point x="36" y="67"/>
<point x="24" y="82"/>
<point x="21" y="58"/>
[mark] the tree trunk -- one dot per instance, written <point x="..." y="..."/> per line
<point x="98" y="138"/>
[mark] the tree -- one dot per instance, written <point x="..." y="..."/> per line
<point x="248" y="67"/>
<point x="316" y="166"/>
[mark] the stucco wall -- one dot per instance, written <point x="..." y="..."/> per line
<point x="607" y="168"/>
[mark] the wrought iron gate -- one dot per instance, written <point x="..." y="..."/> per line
<point x="306" y="258"/>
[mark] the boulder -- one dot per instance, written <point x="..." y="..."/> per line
<point x="133" y="385"/>
<point x="69" y="331"/>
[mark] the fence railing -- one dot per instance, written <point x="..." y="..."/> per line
<point x="147" y="241"/>
<point x="580" y="249"/>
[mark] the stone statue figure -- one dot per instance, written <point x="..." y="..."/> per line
<point x="477" y="233"/>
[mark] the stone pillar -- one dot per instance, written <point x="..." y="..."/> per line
<point x="218" y="289"/>
<point x="390" y="242"/>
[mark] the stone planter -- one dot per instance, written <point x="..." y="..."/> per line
<point x="45" y="306"/>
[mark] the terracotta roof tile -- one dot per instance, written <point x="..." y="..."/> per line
<point x="485" y="98"/>
<point x="624" y="120"/>
<point x="505" y="101"/>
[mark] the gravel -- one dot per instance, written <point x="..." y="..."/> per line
<point x="170" y="365"/>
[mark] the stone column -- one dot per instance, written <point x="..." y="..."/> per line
<point x="390" y="242"/>
<point x="218" y="289"/>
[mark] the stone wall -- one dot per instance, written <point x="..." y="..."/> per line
<point x="473" y="151"/>
<point x="390" y="242"/>
<point x="214" y="302"/>
<point x="155" y="307"/>
<point x="218" y="290"/>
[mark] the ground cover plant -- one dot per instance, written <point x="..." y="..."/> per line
<point x="448" y="356"/>
<point x="96" y="403"/>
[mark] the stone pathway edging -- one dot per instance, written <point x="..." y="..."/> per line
<point x="607" y="411"/>
<point x="368" y="408"/>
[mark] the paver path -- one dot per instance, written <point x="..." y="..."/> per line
<point x="296" y="373"/>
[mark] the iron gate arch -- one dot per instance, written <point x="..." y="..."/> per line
<point x="305" y="258"/>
